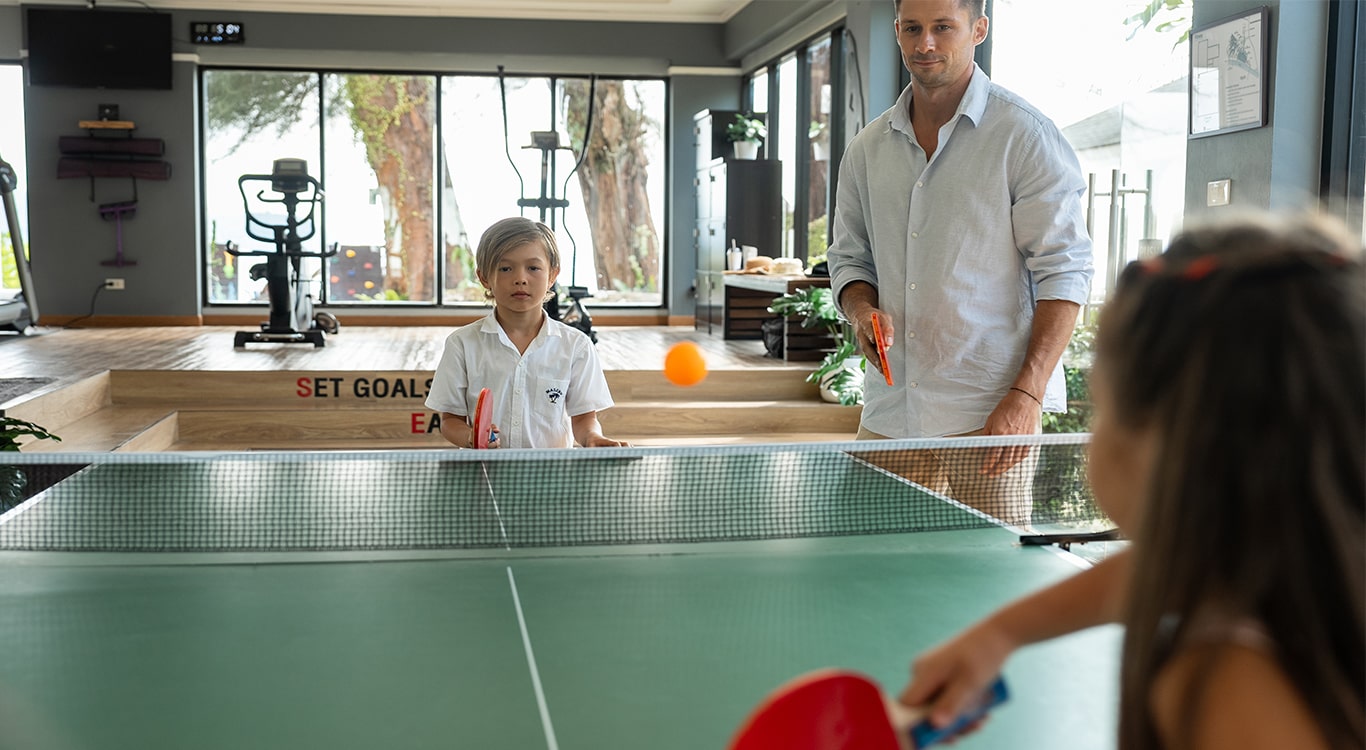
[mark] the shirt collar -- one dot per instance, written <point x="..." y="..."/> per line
<point x="972" y="105"/>
<point x="490" y="325"/>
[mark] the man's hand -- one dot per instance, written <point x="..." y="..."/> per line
<point x="860" y="305"/>
<point x="1016" y="414"/>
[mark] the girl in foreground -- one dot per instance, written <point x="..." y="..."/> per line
<point x="1229" y="444"/>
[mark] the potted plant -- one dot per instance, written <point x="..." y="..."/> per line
<point x="13" y="480"/>
<point x="747" y="133"/>
<point x="840" y="374"/>
<point x="819" y="135"/>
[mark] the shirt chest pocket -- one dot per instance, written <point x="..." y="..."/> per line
<point x="547" y="399"/>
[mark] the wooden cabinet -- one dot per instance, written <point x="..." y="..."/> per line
<point x="746" y="309"/>
<point x="736" y="199"/>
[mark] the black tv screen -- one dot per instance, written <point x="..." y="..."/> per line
<point x="112" y="49"/>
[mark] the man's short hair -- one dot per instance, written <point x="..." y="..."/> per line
<point x="975" y="8"/>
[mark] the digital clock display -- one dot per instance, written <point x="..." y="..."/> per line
<point x="215" y="32"/>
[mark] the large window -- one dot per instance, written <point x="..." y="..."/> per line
<point x="798" y="94"/>
<point x="12" y="150"/>
<point x="789" y="150"/>
<point x="1118" y="92"/>
<point x="415" y="167"/>
<point x="252" y="119"/>
<point x="379" y="145"/>
<point x="1343" y="171"/>
<point x="818" y="194"/>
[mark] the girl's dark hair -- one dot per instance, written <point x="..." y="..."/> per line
<point x="1243" y="348"/>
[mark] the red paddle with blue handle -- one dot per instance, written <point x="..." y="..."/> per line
<point x="834" y="709"/>
<point x="483" y="419"/>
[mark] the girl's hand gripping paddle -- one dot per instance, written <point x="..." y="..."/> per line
<point x="833" y="709"/>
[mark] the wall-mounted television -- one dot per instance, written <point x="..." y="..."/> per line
<point x="111" y="49"/>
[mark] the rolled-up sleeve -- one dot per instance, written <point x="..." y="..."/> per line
<point x="1047" y="216"/>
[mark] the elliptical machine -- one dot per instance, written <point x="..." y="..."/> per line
<point x="292" y="320"/>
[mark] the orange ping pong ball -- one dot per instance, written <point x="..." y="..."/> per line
<point x="684" y="365"/>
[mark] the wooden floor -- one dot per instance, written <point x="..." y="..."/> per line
<point x="189" y="388"/>
<point x="72" y="354"/>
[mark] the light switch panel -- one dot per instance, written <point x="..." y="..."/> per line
<point x="1218" y="192"/>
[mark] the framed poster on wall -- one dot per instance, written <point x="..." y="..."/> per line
<point x="1228" y="74"/>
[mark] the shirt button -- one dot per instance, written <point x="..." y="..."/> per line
<point x="912" y="286"/>
<point x="913" y="385"/>
<point x="915" y="235"/>
<point x="920" y="184"/>
<point x="910" y="335"/>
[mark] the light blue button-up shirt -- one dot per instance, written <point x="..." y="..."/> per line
<point x="960" y="248"/>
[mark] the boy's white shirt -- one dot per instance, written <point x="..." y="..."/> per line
<point x="534" y="394"/>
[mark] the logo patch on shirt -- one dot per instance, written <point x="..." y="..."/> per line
<point x="554" y="394"/>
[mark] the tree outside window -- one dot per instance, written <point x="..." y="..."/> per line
<point x="409" y="188"/>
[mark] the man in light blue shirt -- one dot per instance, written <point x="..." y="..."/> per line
<point x="959" y="224"/>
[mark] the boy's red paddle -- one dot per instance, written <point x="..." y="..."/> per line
<point x="483" y="419"/>
<point x="834" y="709"/>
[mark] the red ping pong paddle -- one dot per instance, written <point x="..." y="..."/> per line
<point x="483" y="419"/>
<point x="881" y="350"/>
<point x="834" y="709"/>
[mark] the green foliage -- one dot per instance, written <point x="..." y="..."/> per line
<point x="815" y="307"/>
<point x="845" y="373"/>
<point x="1164" y="17"/>
<point x="1078" y="415"/>
<point x="816" y="245"/>
<point x="9" y="271"/>
<point x="254" y="101"/>
<point x="1076" y="371"/>
<point x="746" y="129"/>
<point x="12" y="484"/>
<point x="387" y="295"/>
<point x="1062" y="493"/>
<point x="12" y="429"/>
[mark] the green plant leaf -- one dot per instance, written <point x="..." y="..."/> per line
<point x="12" y="429"/>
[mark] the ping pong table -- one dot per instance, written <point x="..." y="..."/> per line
<point x="504" y="599"/>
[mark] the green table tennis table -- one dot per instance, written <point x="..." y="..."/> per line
<point x="644" y="598"/>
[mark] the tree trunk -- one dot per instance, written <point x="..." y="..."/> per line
<point x="395" y="117"/>
<point x="614" y="181"/>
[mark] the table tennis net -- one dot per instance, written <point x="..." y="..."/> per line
<point x="440" y="499"/>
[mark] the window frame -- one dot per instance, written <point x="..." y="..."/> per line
<point x="439" y="300"/>
<point x="1342" y="171"/>
<point x="801" y="210"/>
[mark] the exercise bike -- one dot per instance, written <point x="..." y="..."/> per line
<point x="292" y="320"/>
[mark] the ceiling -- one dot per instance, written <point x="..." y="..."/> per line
<point x="662" y="11"/>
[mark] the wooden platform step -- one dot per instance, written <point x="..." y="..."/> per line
<point x="348" y="389"/>
<point x="335" y="410"/>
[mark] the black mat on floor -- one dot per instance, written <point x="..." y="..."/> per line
<point x="12" y="388"/>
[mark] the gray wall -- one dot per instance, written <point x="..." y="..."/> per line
<point x="879" y="59"/>
<point x="69" y="239"/>
<point x="1275" y="167"/>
